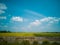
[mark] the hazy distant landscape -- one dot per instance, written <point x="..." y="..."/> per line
<point x="29" y="38"/>
<point x="9" y="33"/>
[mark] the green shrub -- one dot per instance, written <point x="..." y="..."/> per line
<point x="25" y="42"/>
<point x="35" y="43"/>
<point x="55" y="43"/>
<point x="45" y="42"/>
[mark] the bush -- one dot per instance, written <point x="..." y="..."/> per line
<point x="35" y="43"/>
<point x="3" y="43"/>
<point x="55" y="43"/>
<point x="45" y="43"/>
<point x="25" y="42"/>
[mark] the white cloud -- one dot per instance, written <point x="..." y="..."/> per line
<point x="1" y="11"/>
<point x="2" y="6"/>
<point x="35" y="23"/>
<point x="17" y="18"/>
<point x="44" y="21"/>
<point x="3" y="17"/>
<point x="50" y="19"/>
<point x="5" y="26"/>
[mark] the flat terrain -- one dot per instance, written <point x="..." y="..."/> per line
<point x="17" y="40"/>
<point x="30" y="34"/>
<point x="16" y="34"/>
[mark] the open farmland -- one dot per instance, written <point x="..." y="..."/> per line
<point x="16" y="34"/>
<point x="29" y="38"/>
<point x="31" y="34"/>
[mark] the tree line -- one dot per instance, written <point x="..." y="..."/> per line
<point x="5" y="31"/>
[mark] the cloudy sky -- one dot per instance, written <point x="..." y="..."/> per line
<point x="30" y="15"/>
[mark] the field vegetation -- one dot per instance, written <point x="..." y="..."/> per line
<point x="8" y="33"/>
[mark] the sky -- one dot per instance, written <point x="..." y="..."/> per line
<point x="30" y="15"/>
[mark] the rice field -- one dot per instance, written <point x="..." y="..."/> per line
<point x="30" y="34"/>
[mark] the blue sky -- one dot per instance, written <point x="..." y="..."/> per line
<point x="30" y="15"/>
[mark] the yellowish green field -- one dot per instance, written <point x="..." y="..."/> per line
<point x="16" y="34"/>
<point x="30" y="34"/>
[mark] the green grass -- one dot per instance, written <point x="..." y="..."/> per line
<point x="30" y="34"/>
<point x="47" y="34"/>
<point x="16" y="34"/>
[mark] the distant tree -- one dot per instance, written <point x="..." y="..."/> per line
<point x="5" y="31"/>
<point x="36" y="34"/>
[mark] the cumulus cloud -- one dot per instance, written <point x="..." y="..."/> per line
<point x="50" y="19"/>
<point x="35" y="23"/>
<point x="5" y="26"/>
<point x="17" y="18"/>
<point x="3" y="17"/>
<point x="2" y="8"/>
<point x="46" y="21"/>
<point x="1" y="11"/>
